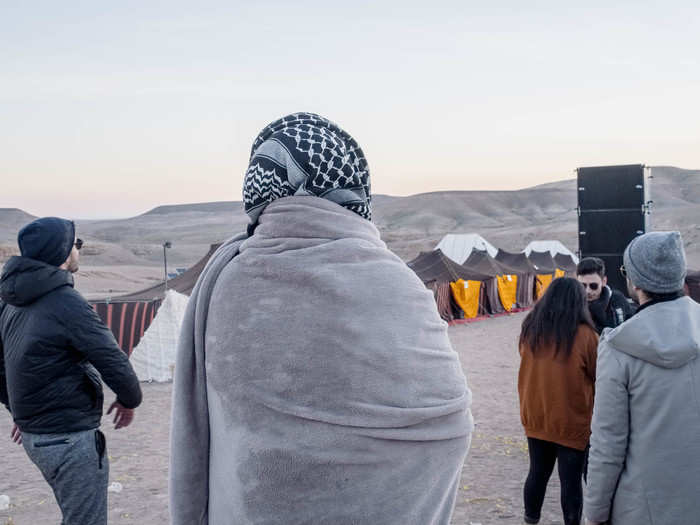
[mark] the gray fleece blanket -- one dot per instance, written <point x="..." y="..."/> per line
<point x="315" y="382"/>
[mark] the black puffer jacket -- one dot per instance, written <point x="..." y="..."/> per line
<point x="52" y="346"/>
<point x="611" y="309"/>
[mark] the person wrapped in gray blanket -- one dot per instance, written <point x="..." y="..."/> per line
<point x="315" y="381"/>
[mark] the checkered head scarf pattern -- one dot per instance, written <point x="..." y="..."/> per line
<point x="306" y="154"/>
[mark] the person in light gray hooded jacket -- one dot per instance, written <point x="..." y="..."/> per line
<point x="644" y="465"/>
<point x="314" y="381"/>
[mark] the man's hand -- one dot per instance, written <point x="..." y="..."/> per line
<point x="16" y="435"/>
<point x="122" y="416"/>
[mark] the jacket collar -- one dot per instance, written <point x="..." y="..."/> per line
<point x="669" y="297"/>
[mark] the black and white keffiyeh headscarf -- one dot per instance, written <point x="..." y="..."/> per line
<point x="306" y="154"/>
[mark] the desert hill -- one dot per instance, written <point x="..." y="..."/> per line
<point x="508" y="219"/>
<point x="11" y="220"/>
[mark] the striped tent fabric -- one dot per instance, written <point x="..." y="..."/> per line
<point x="444" y="301"/>
<point x="128" y="321"/>
<point x="445" y="313"/>
<point x="129" y="316"/>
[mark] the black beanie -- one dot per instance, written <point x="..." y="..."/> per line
<point x="49" y="239"/>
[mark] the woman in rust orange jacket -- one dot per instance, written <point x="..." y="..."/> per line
<point x="556" y="381"/>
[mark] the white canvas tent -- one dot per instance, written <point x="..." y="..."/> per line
<point x="153" y="358"/>
<point x="458" y="247"/>
<point x="553" y="247"/>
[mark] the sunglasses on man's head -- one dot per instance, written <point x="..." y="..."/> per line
<point x="592" y="286"/>
<point x="78" y="244"/>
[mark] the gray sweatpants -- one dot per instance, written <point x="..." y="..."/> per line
<point x="76" y="467"/>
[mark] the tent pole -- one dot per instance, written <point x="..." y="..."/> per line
<point x="166" y="245"/>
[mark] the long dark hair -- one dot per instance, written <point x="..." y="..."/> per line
<point x="556" y="317"/>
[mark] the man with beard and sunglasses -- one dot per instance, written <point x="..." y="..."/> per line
<point x="609" y="308"/>
<point x="54" y="353"/>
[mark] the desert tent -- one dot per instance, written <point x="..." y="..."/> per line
<point x="129" y="316"/>
<point x="458" y="291"/>
<point x="436" y="266"/>
<point x="153" y="358"/>
<point x="546" y="269"/>
<point x="128" y="320"/>
<point x="551" y="246"/>
<point x="183" y="283"/>
<point x="527" y="275"/>
<point x="458" y="247"/>
<point x="566" y="264"/>
<point x="504" y="296"/>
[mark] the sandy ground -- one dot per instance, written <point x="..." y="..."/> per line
<point x="99" y="282"/>
<point x="490" y="490"/>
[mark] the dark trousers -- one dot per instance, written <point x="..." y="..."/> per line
<point x="543" y="455"/>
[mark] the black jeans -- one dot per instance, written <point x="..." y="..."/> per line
<point x="543" y="455"/>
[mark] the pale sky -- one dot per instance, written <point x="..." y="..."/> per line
<point x="108" y="109"/>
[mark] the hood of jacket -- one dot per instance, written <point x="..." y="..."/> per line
<point x="598" y="308"/>
<point x="25" y="280"/>
<point x="604" y="299"/>
<point x="665" y="334"/>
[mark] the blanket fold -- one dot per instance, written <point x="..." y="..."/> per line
<point x="315" y="382"/>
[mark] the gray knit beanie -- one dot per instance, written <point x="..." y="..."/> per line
<point x="655" y="262"/>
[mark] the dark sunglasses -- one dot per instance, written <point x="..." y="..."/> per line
<point x="78" y="244"/>
<point x="592" y="286"/>
<point x="623" y="271"/>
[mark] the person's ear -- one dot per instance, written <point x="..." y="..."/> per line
<point x="605" y="281"/>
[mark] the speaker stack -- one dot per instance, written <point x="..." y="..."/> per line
<point x="613" y="208"/>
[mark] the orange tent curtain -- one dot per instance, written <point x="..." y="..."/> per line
<point x="466" y="295"/>
<point x="507" y="290"/>
<point x="543" y="282"/>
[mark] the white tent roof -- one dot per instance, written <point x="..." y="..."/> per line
<point x="458" y="247"/>
<point x="153" y="358"/>
<point x="553" y="247"/>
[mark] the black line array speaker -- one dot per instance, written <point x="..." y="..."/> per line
<point x="613" y="208"/>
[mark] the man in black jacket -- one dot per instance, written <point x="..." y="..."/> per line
<point x="54" y="353"/>
<point x="609" y="308"/>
